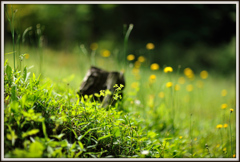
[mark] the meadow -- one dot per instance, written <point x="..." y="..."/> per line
<point x="167" y="111"/>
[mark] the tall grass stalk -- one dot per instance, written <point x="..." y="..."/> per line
<point x="125" y="42"/>
<point x="11" y="23"/>
<point x="40" y="46"/>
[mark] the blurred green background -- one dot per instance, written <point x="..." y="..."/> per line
<point x="200" y="36"/>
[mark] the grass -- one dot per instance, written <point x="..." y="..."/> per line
<point x="182" y="124"/>
<point x="165" y="112"/>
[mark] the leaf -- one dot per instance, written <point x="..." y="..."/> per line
<point x="13" y="94"/>
<point x="44" y="129"/>
<point x="73" y="146"/>
<point x="12" y="137"/>
<point x="31" y="132"/>
<point x="17" y="80"/>
<point x="81" y="137"/>
<point x="36" y="149"/>
<point x="78" y="154"/>
<point x="8" y="53"/>
<point x="34" y="77"/>
<point x="9" y="73"/>
<point x="109" y="135"/>
<point x="25" y="74"/>
<point x="58" y="136"/>
<point x="81" y="146"/>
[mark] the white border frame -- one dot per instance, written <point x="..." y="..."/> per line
<point x="121" y="2"/>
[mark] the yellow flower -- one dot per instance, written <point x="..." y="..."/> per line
<point x="137" y="64"/>
<point x="225" y="125"/>
<point x="181" y="80"/>
<point x="168" y="69"/>
<point x="224" y="92"/>
<point x="234" y="155"/>
<point x="195" y="139"/>
<point x="141" y="59"/>
<point x="106" y="53"/>
<point x="130" y="57"/>
<point x="189" y="88"/>
<point x="169" y="84"/>
<point x="189" y="73"/>
<point x="218" y="145"/>
<point x="152" y="77"/>
<point x="180" y="137"/>
<point x="231" y="110"/>
<point x="150" y="46"/>
<point x="219" y="126"/>
<point x="224" y="149"/>
<point x="204" y="74"/>
<point x="224" y="106"/>
<point x="161" y="95"/>
<point x="94" y="46"/>
<point x="154" y="66"/>
<point x="26" y="56"/>
<point x="177" y="87"/>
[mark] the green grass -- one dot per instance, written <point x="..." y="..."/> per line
<point x="45" y="118"/>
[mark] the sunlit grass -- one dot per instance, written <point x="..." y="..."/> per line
<point x="199" y="101"/>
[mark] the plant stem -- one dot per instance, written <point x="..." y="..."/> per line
<point x="125" y="43"/>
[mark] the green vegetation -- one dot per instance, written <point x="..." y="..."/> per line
<point x="167" y="111"/>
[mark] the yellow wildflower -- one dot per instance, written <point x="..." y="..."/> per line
<point x="180" y="137"/>
<point x="189" y="88"/>
<point x="137" y="64"/>
<point x="225" y="125"/>
<point x="189" y="73"/>
<point x="150" y="46"/>
<point x="219" y="126"/>
<point x="169" y="84"/>
<point x="224" y="92"/>
<point x="218" y="145"/>
<point x="161" y="95"/>
<point x="154" y="66"/>
<point x="152" y="78"/>
<point x="231" y="110"/>
<point x="195" y="139"/>
<point x="130" y="57"/>
<point x="141" y="59"/>
<point x="181" y="80"/>
<point x="94" y="46"/>
<point x="168" y="69"/>
<point x="106" y="53"/>
<point x="224" y="149"/>
<point x="26" y="56"/>
<point x="204" y="74"/>
<point x="234" y="155"/>
<point x="224" y="106"/>
<point x="177" y="87"/>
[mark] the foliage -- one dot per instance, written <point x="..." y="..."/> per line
<point x="166" y="111"/>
